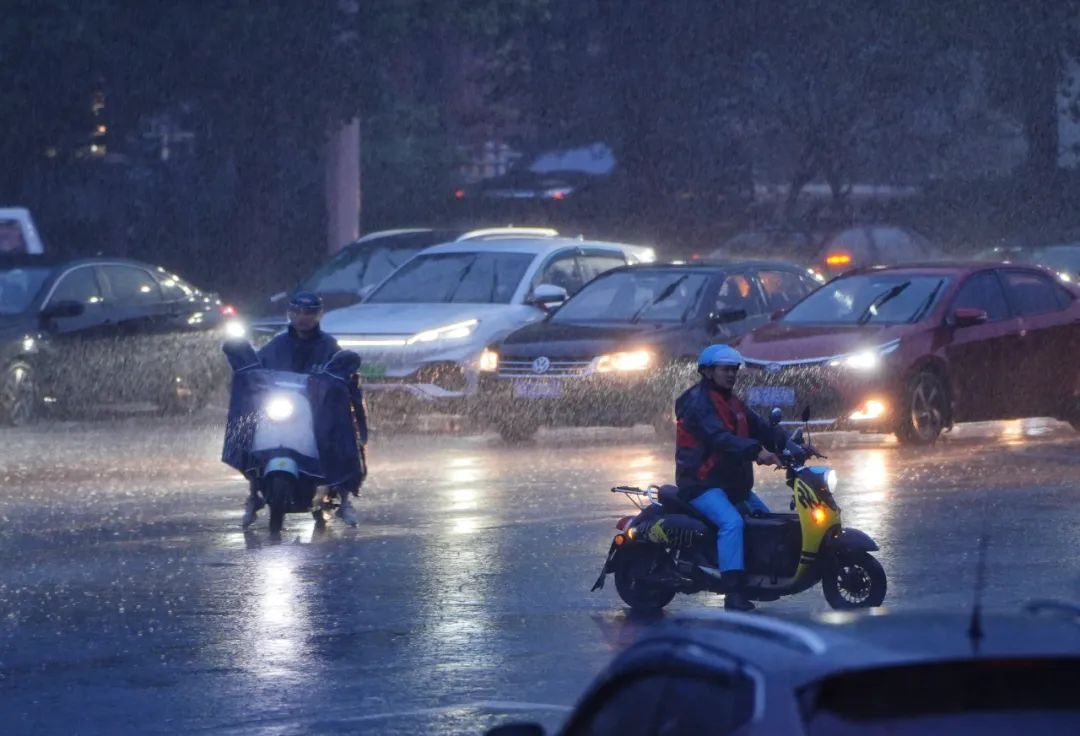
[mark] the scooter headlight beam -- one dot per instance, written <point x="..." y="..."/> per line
<point x="279" y="408"/>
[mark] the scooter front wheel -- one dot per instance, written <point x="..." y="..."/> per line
<point x="854" y="581"/>
<point x="634" y="565"/>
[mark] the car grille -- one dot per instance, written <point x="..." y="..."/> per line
<point x="556" y="368"/>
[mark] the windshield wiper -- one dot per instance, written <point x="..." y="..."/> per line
<point x="887" y="296"/>
<point x="927" y="303"/>
<point x="668" y="291"/>
<point x="461" y="277"/>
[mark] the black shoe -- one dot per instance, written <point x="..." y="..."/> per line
<point x="736" y="600"/>
<point x="734" y="596"/>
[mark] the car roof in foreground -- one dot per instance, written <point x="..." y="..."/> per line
<point x="803" y="649"/>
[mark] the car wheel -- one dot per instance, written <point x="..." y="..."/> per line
<point x="664" y="425"/>
<point x="183" y="396"/>
<point x="18" y="395"/>
<point x="854" y="581"/>
<point x="516" y="431"/>
<point x="924" y="413"/>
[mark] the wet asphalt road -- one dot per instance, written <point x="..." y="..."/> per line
<point x="131" y="602"/>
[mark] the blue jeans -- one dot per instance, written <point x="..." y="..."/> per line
<point x="717" y="508"/>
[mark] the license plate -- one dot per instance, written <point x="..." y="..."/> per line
<point x="372" y="370"/>
<point x="771" y="396"/>
<point x="537" y="389"/>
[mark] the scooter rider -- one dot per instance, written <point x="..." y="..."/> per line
<point x="718" y="438"/>
<point x="305" y="348"/>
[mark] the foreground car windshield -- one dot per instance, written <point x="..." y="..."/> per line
<point x="474" y="278"/>
<point x="881" y="298"/>
<point x="627" y="296"/>
<point x="18" y="287"/>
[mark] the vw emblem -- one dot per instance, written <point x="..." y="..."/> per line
<point x="773" y="368"/>
<point x="541" y="365"/>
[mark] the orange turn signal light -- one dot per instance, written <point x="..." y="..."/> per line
<point x="619" y="539"/>
<point x="819" y="515"/>
<point x="838" y="259"/>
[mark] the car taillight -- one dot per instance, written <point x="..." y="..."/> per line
<point x="623" y="523"/>
<point x="459" y="194"/>
<point x="228" y="310"/>
<point x="838" y="259"/>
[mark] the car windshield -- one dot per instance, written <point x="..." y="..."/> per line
<point x="881" y="298"/>
<point x="19" y="286"/>
<point x="474" y="278"/>
<point x="630" y="296"/>
<point x="359" y="265"/>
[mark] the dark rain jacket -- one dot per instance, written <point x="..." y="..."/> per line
<point x="290" y="352"/>
<point x="716" y="443"/>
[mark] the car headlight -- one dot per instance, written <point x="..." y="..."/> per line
<point x="865" y="360"/>
<point x="634" y="360"/>
<point x="489" y="361"/>
<point x="235" y="329"/>
<point x="455" y="331"/>
<point x="279" y="408"/>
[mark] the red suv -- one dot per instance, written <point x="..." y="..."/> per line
<point x="914" y="349"/>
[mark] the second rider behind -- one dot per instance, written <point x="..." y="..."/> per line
<point x="305" y="348"/>
<point x="718" y="439"/>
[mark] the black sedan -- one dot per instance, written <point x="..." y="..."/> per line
<point x="625" y="346"/>
<point x="104" y="331"/>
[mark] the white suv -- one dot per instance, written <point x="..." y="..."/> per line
<point x="423" y="332"/>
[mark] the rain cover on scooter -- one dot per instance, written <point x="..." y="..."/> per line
<point x="328" y="394"/>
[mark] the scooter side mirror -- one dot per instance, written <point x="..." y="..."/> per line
<point x="806" y="414"/>
<point x="776" y="416"/>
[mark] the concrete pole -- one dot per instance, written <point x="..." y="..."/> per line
<point x="343" y="186"/>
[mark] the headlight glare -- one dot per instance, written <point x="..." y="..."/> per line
<point x="634" y="360"/>
<point x="455" y="331"/>
<point x="235" y="329"/>
<point x="489" y="361"/>
<point x="279" y="408"/>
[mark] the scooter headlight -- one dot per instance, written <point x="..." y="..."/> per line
<point x="831" y="480"/>
<point x="279" y="408"/>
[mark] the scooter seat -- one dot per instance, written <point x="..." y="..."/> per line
<point x="670" y="500"/>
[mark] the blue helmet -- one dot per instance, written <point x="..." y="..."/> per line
<point x="305" y="301"/>
<point x="719" y="355"/>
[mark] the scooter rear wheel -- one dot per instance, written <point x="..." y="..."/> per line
<point x="854" y="581"/>
<point x="278" y="493"/>
<point x="634" y="564"/>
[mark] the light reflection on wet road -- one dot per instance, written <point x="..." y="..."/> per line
<point x="130" y="601"/>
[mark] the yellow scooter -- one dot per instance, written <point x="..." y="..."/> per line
<point x="663" y="549"/>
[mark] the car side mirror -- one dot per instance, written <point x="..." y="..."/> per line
<point x="727" y="316"/>
<point x="517" y="729"/>
<point x="777" y="314"/>
<point x="61" y="310"/>
<point x="968" y="317"/>
<point x="775" y="416"/>
<point x="548" y="296"/>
